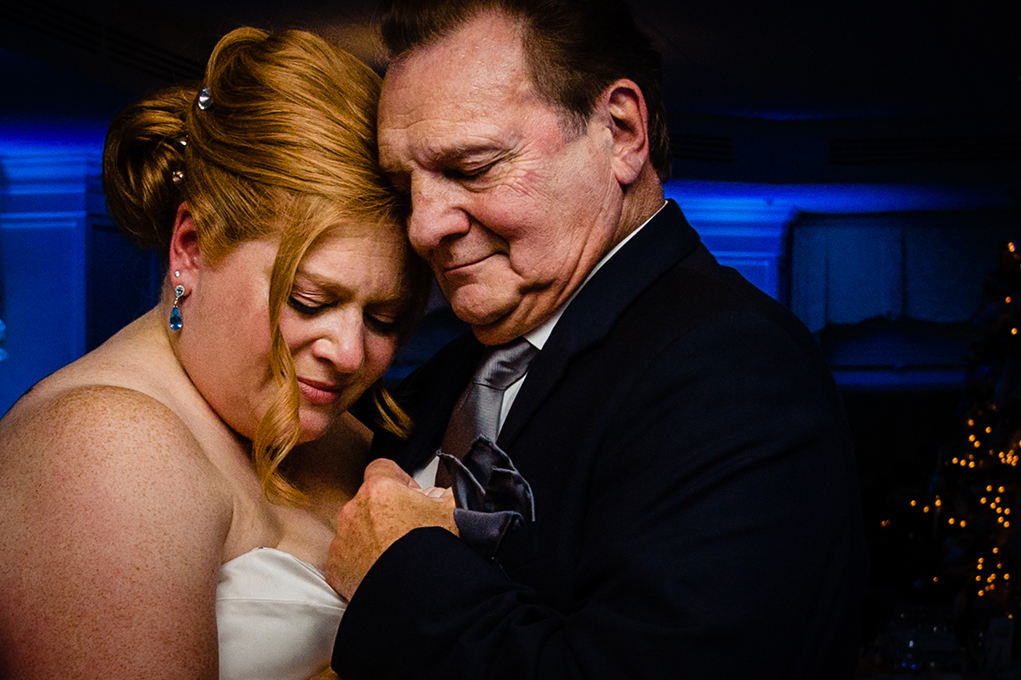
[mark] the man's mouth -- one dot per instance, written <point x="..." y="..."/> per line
<point x="461" y="265"/>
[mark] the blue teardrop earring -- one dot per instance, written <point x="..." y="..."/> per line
<point x="176" y="322"/>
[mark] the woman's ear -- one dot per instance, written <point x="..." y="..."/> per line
<point x="630" y="128"/>
<point x="184" y="247"/>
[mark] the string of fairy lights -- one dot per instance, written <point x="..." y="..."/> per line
<point x="988" y="569"/>
<point x="975" y="494"/>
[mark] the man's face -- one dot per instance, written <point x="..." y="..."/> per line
<point x="510" y="210"/>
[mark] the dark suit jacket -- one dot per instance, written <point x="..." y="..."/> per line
<point x="696" y="501"/>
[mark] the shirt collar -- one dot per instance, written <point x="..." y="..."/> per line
<point x="539" y="335"/>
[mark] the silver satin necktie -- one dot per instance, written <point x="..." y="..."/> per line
<point x="477" y="413"/>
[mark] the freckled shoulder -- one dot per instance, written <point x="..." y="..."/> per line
<point x="112" y="525"/>
<point x="71" y="444"/>
<point x="97" y="424"/>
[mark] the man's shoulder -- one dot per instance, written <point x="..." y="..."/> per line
<point x="698" y="291"/>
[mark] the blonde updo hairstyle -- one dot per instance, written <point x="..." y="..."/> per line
<point x="287" y="145"/>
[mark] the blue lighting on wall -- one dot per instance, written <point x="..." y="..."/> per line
<point x="21" y="138"/>
<point x="747" y="226"/>
<point x="887" y="275"/>
<point x="51" y="208"/>
<point x="837" y="198"/>
<point x="49" y="193"/>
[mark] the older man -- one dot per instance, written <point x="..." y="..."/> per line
<point x="671" y="491"/>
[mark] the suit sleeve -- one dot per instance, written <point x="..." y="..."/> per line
<point x="720" y="539"/>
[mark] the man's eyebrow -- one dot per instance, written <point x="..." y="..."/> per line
<point x="392" y="166"/>
<point x="464" y="151"/>
<point x="456" y="154"/>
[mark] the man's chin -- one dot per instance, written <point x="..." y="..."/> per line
<point x="480" y="313"/>
<point x="492" y="323"/>
<point x="502" y="330"/>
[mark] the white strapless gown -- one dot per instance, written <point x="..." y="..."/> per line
<point x="276" y="617"/>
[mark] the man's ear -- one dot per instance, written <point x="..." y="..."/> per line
<point x="630" y="128"/>
<point x="184" y="248"/>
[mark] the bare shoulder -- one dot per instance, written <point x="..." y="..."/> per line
<point x="110" y="496"/>
<point x="92" y="447"/>
<point x="100" y="428"/>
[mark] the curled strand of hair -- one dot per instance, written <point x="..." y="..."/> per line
<point x="279" y="429"/>
<point x="391" y="416"/>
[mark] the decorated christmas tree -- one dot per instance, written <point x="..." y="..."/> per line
<point x="974" y="501"/>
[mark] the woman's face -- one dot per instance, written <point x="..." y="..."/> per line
<point x="340" y="324"/>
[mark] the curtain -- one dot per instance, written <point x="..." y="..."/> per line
<point x="924" y="267"/>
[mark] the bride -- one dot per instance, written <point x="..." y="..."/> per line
<point x="169" y="498"/>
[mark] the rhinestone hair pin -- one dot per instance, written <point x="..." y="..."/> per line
<point x="205" y="101"/>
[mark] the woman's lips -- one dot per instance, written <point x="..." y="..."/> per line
<point x="317" y="392"/>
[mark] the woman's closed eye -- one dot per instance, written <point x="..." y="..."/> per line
<point x="384" y="324"/>
<point x="306" y="307"/>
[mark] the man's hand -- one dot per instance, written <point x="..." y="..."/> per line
<point x="388" y="505"/>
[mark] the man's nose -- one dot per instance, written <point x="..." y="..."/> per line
<point x="437" y="213"/>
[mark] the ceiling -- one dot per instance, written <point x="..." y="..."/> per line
<point x="798" y="60"/>
<point x="947" y="63"/>
<point x="785" y="59"/>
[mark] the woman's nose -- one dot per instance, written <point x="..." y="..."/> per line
<point x="343" y="344"/>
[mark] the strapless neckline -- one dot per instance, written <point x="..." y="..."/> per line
<point x="276" y="617"/>
<point x="274" y="554"/>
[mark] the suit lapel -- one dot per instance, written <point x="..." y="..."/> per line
<point x="664" y="241"/>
